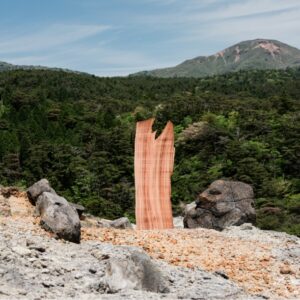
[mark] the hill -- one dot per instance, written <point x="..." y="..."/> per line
<point x="78" y="131"/>
<point x="258" y="54"/>
<point x="10" y="67"/>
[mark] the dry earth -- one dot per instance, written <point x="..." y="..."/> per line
<point x="261" y="262"/>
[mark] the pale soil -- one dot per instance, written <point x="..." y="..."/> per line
<point x="261" y="262"/>
<point x="253" y="264"/>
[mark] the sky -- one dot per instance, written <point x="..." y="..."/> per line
<point x="120" y="37"/>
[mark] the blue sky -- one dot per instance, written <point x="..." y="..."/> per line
<point x="119" y="37"/>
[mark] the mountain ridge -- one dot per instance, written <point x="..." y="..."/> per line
<point x="246" y="55"/>
<point x="5" y="66"/>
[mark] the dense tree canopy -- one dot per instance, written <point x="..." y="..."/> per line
<point x="78" y="131"/>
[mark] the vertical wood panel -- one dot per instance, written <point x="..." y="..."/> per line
<point x="153" y="167"/>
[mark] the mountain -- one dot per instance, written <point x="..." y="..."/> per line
<point x="254" y="54"/>
<point x="4" y="66"/>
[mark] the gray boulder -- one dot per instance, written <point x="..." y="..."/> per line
<point x="58" y="216"/>
<point x="121" y="223"/>
<point x="137" y="272"/>
<point x="223" y="204"/>
<point x="79" y="208"/>
<point x="38" y="188"/>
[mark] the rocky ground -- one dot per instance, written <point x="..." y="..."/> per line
<point x="238" y="263"/>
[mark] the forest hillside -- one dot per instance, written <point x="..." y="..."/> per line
<point x="78" y="131"/>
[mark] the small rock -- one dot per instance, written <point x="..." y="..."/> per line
<point x="246" y="226"/>
<point x="45" y="271"/>
<point x="286" y="269"/>
<point x="2" y="271"/>
<point x="99" y="255"/>
<point x="21" y="251"/>
<point x="92" y="270"/>
<point x="121" y="223"/>
<point x="33" y="246"/>
<point x="78" y="276"/>
<point x="47" y="284"/>
<point x="222" y="274"/>
<point x="37" y="264"/>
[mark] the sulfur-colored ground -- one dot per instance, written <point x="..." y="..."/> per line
<point x="265" y="263"/>
<point x="252" y="263"/>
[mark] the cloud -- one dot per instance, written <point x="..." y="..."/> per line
<point x="198" y="12"/>
<point x="53" y="36"/>
<point x="281" y="25"/>
<point x="224" y="22"/>
<point x="96" y="58"/>
<point x="65" y="46"/>
<point x="246" y="8"/>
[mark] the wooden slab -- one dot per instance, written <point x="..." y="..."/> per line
<point x="153" y="167"/>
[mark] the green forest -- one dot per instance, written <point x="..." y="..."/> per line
<point x="78" y="131"/>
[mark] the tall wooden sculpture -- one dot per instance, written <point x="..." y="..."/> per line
<point x="153" y="167"/>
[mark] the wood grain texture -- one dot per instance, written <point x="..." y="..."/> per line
<point x="153" y="167"/>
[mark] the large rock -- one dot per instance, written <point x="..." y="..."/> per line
<point x="223" y="204"/>
<point x="58" y="216"/>
<point x="38" y="188"/>
<point x="136" y="272"/>
<point x="79" y="208"/>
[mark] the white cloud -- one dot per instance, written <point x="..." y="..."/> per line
<point x="100" y="59"/>
<point x="63" y="46"/>
<point x="53" y="36"/>
<point x="282" y="26"/>
<point x="198" y="12"/>
<point x="245" y="8"/>
<point x="225" y="22"/>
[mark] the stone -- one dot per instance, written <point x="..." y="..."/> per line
<point x="79" y="208"/>
<point x="222" y="274"/>
<point x="38" y="188"/>
<point x="58" y="216"/>
<point x="153" y="167"/>
<point x="178" y="222"/>
<point x="136" y="272"/>
<point x="223" y="204"/>
<point x="92" y="270"/>
<point x="246" y="226"/>
<point x="9" y="191"/>
<point x="103" y="223"/>
<point x="21" y="251"/>
<point x="32" y="245"/>
<point x="286" y="269"/>
<point x="121" y="223"/>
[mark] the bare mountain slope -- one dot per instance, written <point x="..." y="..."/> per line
<point x="253" y="54"/>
